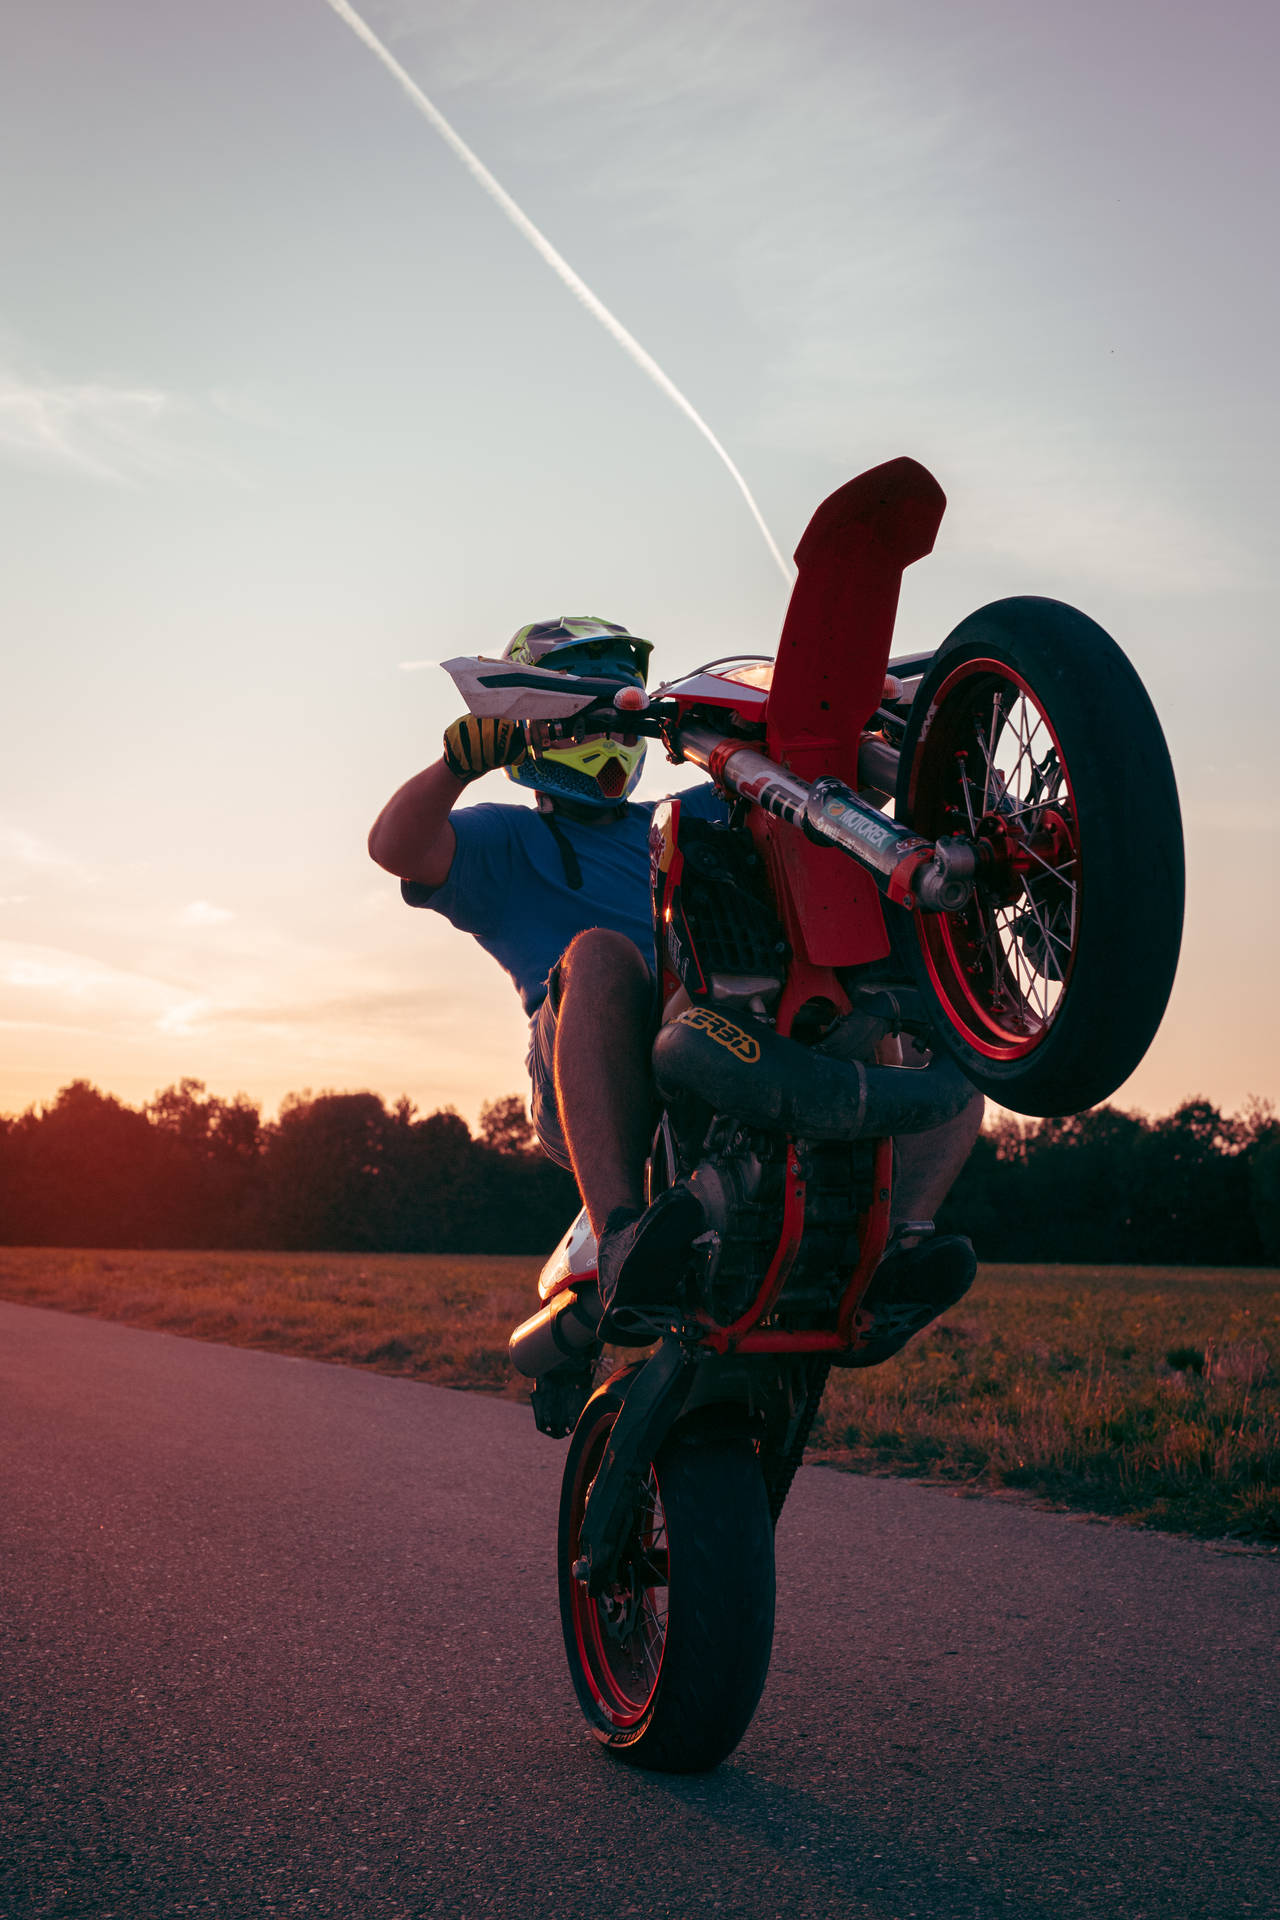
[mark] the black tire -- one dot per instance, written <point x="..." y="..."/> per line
<point x="669" y="1672"/>
<point x="1049" y="987"/>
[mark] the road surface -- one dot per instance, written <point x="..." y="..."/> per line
<point x="280" y="1638"/>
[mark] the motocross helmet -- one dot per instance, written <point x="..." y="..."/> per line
<point x="602" y="769"/>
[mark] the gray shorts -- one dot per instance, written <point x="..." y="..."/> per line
<point x="542" y="1076"/>
<point x="540" y="1061"/>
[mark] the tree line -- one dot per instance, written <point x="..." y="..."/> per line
<point x="347" y="1172"/>
<point x="334" y="1172"/>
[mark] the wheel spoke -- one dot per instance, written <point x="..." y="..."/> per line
<point x="1056" y="873"/>
<point x="1008" y="955"/>
<point x="966" y="789"/>
<point x="989" y="746"/>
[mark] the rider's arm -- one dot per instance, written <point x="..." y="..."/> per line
<point x="412" y="837"/>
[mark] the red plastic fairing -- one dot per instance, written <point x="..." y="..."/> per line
<point x="829" y="675"/>
<point x="568" y="1283"/>
<point x="828" y="905"/>
<point x="716" y="690"/>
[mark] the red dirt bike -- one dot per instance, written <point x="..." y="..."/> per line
<point x="1018" y="918"/>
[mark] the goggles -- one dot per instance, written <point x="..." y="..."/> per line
<point x="544" y="734"/>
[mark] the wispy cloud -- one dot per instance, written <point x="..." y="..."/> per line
<point x="564" y="51"/>
<point x="26" y="851"/>
<point x="203" y="913"/>
<point x="120" y="433"/>
<point x="103" y="431"/>
<point x="50" y="981"/>
<point x="184" y="1018"/>
<point x="862" y="212"/>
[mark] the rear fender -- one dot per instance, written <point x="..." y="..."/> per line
<point x="829" y="675"/>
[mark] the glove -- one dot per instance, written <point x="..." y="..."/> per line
<point x="473" y="746"/>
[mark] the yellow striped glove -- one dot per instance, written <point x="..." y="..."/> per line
<point x="473" y="746"/>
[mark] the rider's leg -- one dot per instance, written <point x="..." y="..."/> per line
<point x="604" y="1093"/>
<point x="604" y="1090"/>
<point x="927" y="1165"/>
<point x="922" y="1277"/>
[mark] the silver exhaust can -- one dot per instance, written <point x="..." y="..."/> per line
<point x="561" y="1334"/>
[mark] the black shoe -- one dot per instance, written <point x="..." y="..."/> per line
<point x="641" y="1260"/>
<point x="911" y="1288"/>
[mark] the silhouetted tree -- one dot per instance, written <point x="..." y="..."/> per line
<point x="1265" y="1195"/>
<point x="82" y="1173"/>
<point x="325" y="1168"/>
<point x="506" y="1127"/>
<point x="344" y="1171"/>
<point x="435" y="1186"/>
<point x="212" y="1191"/>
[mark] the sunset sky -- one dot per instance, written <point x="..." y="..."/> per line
<point x="286" y="402"/>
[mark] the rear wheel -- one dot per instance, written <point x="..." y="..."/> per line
<point x="669" y="1664"/>
<point x="1032" y="736"/>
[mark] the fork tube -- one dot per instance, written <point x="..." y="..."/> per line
<point x="828" y="811"/>
<point x="743" y="770"/>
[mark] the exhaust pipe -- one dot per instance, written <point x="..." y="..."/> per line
<point x="561" y="1335"/>
<point x="744" y="1068"/>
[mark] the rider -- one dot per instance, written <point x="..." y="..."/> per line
<point x="560" y="898"/>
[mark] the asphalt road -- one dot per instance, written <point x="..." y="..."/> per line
<point x="280" y="1638"/>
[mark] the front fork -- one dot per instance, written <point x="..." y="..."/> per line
<point x="934" y="876"/>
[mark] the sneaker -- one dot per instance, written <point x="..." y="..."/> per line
<point x="641" y="1260"/>
<point x="911" y="1288"/>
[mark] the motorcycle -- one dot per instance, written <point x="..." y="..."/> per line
<point x="1016" y="919"/>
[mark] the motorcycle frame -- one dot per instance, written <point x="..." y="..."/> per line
<point x="828" y="684"/>
<point x="829" y="680"/>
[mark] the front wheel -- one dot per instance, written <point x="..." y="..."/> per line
<point x="1032" y="737"/>
<point x="669" y="1664"/>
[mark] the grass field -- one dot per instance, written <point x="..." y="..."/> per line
<point x="1151" y="1395"/>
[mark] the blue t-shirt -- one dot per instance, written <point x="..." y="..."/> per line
<point x="508" y="888"/>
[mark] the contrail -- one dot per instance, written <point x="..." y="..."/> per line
<point x="558" y="264"/>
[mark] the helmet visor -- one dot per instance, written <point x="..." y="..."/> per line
<point x="582" y="646"/>
<point x="620" y="658"/>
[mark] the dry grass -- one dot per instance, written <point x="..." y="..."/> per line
<point x="1147" y="1393"/>
<point x="1150" y="1394"/>
<point x="440" y="1317"/>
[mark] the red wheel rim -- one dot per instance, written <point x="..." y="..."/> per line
<point x="621" y="1635"/>
<point x="990" y="766"/>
